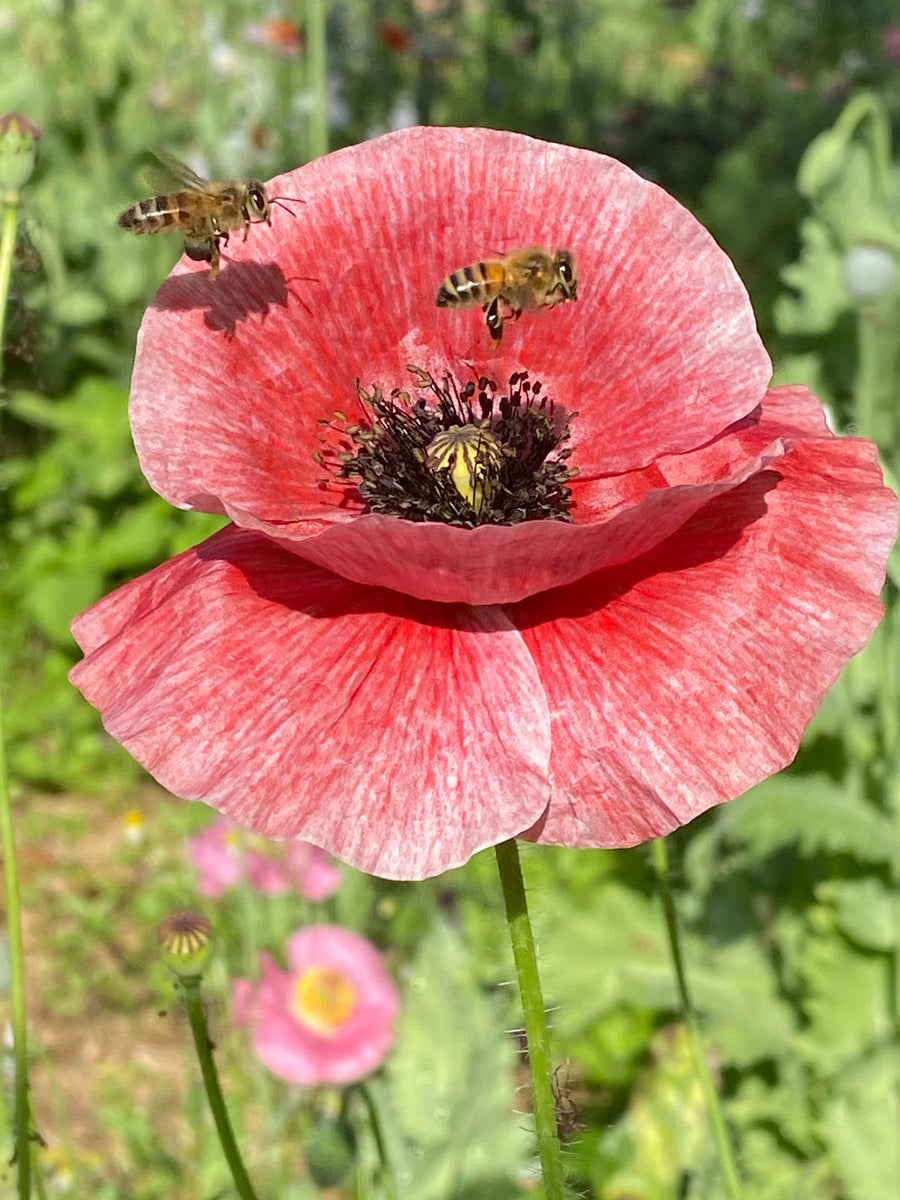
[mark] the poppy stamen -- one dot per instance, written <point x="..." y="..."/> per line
<point x="463" y="455"/>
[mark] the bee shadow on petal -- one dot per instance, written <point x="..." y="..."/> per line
<point x="242" y="290"/>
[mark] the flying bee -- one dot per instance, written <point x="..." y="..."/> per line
<point x="205" y="211"/>
<point x="530" y="278"/>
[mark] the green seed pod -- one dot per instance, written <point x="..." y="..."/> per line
<point x="330" y="1150"/>
<point x="186" y="941"/>
<point x="18" y="149"/>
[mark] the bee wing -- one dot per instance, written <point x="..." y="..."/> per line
<point x="181" y="171"/>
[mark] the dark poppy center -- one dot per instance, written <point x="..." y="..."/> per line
<point x="472" y="455"/>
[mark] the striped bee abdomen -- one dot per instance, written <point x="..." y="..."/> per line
<point x="477" y="283"/>
<point x="158" y="213"/>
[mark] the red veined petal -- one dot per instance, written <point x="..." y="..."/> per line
<point x="617" y="518"/>
<point x="658" y="354"/>
<point x="399" y="736"/>
<point x="681" y="679"/>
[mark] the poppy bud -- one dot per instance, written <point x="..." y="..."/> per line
<point x="18" y="149"/>
<point x="869" y="271"/>
<point x="330" y="1151"/>
<point x="186" y="940"/>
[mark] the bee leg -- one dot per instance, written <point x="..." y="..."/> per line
<point x="494" y="319"/>
<point x="214" y="257"/>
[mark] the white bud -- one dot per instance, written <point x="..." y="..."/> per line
<point x="869" y="271"/>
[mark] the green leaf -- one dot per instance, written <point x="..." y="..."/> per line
<point x="847" y="999"/>
<point x="806" y="369"/>
<point x="783" y="1102"/>
<point x="451" y="1079"/>
<point x="666" y="1124"/>
<point x="140" y="535"/>
<point x="617" y="955"/>
<point x="867" y="911"/>
<point x="80" y="307"/>
<point x="736" y="991"/>
<point x="818" y="286"/>
<point x="771" y="1172"/>
<point x="609" y="1049"/>
<point x="862" y="1122"/>
<point x="810" y="810"/>
<point x="614" y="953"/>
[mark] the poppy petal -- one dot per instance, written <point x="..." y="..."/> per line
<point x="399" y="736"/>
<point x="681" y="679"/>
<point x="499" y="564"/>
<point x="659" y="353"/>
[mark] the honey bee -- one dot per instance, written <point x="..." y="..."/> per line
<point x="530" y="278"/>
<point x="205" y="211"/>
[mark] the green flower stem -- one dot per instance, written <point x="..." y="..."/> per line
<point x="7" y="247"/>
<point x="317" y="77"/>
<point x="249" y="924"/>
<point x="701" y="1065"/>
<point x="878" y="352"/>
<point x="387" y="1167"/>
<point x="197" y="1016"/>
<point x="867" y="106"/>
<point x="39" y="1184"/>
<point x="535" y="1018"/>
<point x="22" y="1118"/>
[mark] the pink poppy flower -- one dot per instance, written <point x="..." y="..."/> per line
<point x="330" y="1017"/>
<point x="314" y="873"/>
<point x="225" y="856"/>
<point x="216" y="854"/>
<point x="369" y="660"/>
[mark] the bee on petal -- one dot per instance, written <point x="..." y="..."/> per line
<point x="530" y="278"/>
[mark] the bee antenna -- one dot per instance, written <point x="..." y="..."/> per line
<point x="278" y="200"/>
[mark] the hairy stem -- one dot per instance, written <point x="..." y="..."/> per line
<point x="535" y="1018"/>
<point x="701" y="1064"/>
<point x="22" y="1116"/>
<point x="190" y="988"/>
<point x="317" y="77"/>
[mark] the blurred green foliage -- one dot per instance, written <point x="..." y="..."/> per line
<point x="80" y="518"/>
<point x="790" y="896"/>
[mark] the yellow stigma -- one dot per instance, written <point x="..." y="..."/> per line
<point x="324" y="998"/>
<point x="472" y="456"/>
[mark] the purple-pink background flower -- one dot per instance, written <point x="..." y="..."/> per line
<point x="225" y="856"/>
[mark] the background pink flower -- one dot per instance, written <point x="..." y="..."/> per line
<point x="225" y="855"/>
<point x="314" y="872"/>
<point x="330" y="1017"/>
<point x="403" y="693"/>
<point x="216" y="854"/>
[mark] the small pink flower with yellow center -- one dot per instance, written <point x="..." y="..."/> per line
<point x="330" y="1017"/>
